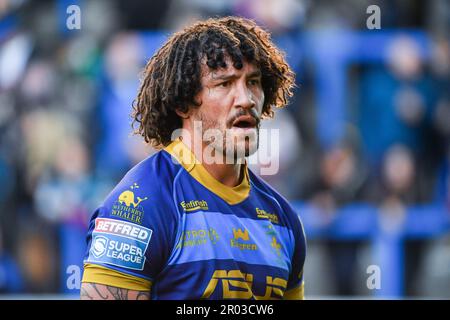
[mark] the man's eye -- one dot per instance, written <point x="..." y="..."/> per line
<point x="224" y="84"/>
<point x="254" y="82"/>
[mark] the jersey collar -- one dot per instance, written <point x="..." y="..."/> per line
<point x="231" y="195"/>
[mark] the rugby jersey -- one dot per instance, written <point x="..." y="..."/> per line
<point x="172" y="229"/>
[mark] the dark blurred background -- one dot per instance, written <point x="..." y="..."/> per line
<point x="364" y="148"/>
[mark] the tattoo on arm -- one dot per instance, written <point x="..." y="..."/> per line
<point x="95" y="291"/>
<point x="84" y="294"/>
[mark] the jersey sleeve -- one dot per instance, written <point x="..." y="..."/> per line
<point x="131" y="236"/>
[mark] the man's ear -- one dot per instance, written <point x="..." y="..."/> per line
<point x="184" y="115"/>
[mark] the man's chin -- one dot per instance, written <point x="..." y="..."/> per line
<point x="244" y="141"/>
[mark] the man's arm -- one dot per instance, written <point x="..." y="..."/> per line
<point x="95" y="291"/>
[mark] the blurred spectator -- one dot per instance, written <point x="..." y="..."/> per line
<point x="10" y="277"/>
<point x="143" y="15"/>
<point x="37" y="249"/>
<point x="397" y="177"/>
<point x="124" y="59"/>
<point x="440" y="66"/>
<point x="278" y="16"/>
<point x="184" y="12"/>
<point x="64" y="191"/>
<point x="398" y="100"/>
<point x="341" y="179"/>
<point x="396" y="108"/>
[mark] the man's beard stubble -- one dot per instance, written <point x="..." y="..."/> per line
<point x="224" y="142"/>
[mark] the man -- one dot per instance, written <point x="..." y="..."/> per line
<point x="191" y="221"/>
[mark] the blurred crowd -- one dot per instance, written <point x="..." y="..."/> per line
<point x="65" y="130"/>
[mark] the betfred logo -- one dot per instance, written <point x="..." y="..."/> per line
<point x="122" y="228"/>
<point x="119" y="243"/>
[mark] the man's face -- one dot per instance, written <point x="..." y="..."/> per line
<point x="231" y="102"/>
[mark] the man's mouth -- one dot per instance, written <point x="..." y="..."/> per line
<point x="245" y="122"/>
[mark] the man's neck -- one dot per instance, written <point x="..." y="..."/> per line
<point x="228" y="174"/>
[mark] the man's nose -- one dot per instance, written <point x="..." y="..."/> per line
<point x="244" y="98"/>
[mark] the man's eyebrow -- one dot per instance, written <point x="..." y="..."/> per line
<point x="224" y="76"/>
<point x="255" y="74"/>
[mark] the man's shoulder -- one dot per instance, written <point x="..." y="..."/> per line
<point x="152" y="177"/>
<point x="284" y="205"/>
<point x="157" y="167"/>
<point x="263" y="187"/>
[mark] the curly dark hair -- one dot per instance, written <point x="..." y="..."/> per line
<point x="172" y="77"/>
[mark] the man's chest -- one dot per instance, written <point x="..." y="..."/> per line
<point x="240" y="251"/>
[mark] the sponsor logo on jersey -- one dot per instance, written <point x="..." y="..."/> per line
<point x="197" y="237"/>
<point x="275" y="245"/>
<point x="99" y="246"/>
<point x="241" y="240"/>
<point x="194" y="205"/>
<point x="238" y="285"/>
<point x="128" y="205"/>
<point x="239" y="234"/>
<point x="121" y="228"/>
<point x="273" y="239"/>
<point x="119" y="243"/>
<point x="263" y="214"/>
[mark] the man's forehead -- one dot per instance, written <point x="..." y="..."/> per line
<point x="229" y="70"/>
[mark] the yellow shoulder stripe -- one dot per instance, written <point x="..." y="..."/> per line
<point x="98" y="274"/>
<point x="297" y="293"/>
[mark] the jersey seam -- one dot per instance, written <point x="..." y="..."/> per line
<point x="174" y="244"/>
